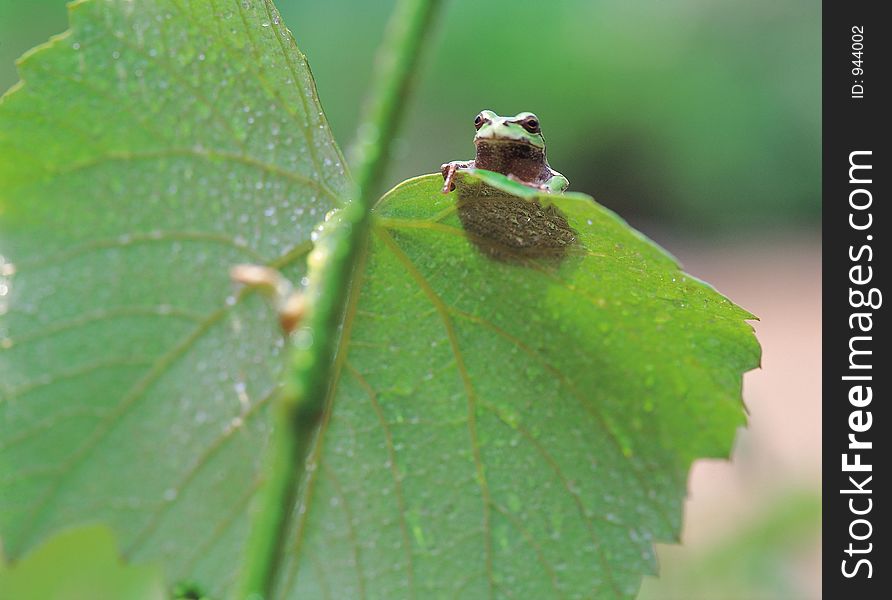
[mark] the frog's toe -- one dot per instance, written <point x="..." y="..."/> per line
<point x="558" y="184"/>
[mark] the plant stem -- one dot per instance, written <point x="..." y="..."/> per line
<point x="299" y="410"/>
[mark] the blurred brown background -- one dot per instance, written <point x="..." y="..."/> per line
<point x="699" y="122"/>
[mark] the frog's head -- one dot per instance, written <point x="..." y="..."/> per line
<point x="519" y="129"/>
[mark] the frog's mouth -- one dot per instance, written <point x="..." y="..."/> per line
<point x="521" y="143"/>
<point x="519" y="148"/>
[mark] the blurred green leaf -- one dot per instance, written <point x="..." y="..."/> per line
<point x="80" y="564"/>
<point x="520" y="398"/>
<point x="22" y="26"/>
<point x="758" y="559"/>
<point x="149" y="149"/>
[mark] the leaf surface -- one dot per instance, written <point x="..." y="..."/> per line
<point x="515" y="413"/>
<point x="77" y="564"/>
<point x="149" y="149"/>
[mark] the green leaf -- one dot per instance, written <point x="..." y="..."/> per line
<point x="78" y="564"/>
<point x="522" y="389"/>
<point x="149" y="149"/>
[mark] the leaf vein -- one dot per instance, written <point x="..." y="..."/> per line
<point x="398" y="488"/>
<point x="443" y="312"/>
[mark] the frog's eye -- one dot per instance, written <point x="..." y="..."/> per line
<point x="479" y="120"/>
<point x="531" y="124"/>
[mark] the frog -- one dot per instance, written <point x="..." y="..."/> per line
<point x="513" y="146"/>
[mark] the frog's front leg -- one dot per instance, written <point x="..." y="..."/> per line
<point x="448" y="170"/>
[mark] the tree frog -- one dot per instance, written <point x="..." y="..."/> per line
<point x="513" y="146"/>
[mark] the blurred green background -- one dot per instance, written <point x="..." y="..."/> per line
<point x="689" y="113"/>
<point x="699" y="122"/>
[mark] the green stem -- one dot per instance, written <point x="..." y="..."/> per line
<point x="299" y="410"/>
